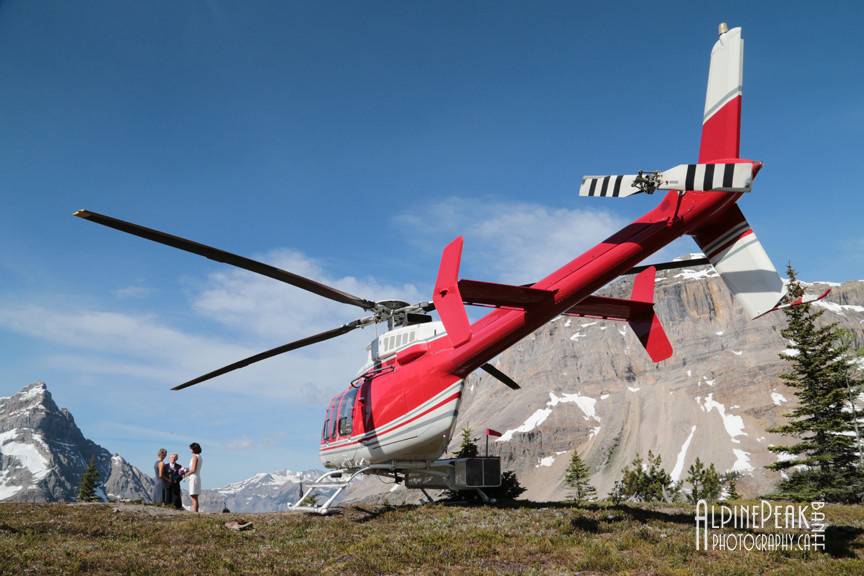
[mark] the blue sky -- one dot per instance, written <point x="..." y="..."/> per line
<point x="350" y="141"/>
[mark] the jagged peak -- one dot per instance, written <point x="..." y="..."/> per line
<point x="35" y="393"/>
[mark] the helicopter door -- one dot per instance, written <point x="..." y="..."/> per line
<point x="346" y="413"/>
<point x="366" y="405"/>
<point x="334" y="419"/>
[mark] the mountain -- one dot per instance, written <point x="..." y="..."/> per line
<point x="264" y="492"/>
<point x="588" y="385"/>
<point x="43" y="454"/>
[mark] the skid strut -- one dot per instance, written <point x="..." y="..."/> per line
<point x="336" y="480"/>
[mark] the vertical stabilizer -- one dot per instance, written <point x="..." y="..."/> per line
<point x="727" y="239"/>
<point x="721" y="122"/>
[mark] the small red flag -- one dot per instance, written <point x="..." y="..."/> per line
<point x="491" y="432"/>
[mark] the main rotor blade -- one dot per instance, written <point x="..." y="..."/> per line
<point x="495" y="373"/>
<point x="228" y="258"/>
<point x="320" y="337"/>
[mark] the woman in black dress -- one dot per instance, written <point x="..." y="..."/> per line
<point x="160" y="486"/>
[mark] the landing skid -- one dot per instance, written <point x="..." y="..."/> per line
<point x="448" y="473"/>
<point x="337" y="480"/>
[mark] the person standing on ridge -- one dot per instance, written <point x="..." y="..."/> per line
<point x="193" y="474"/>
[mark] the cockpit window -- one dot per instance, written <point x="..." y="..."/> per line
<point x="346" y="414"/>
<point x="334" y="417"/>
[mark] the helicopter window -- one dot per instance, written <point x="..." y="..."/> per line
<point x="346" y="414"/>
<point x="334" y="418"/>
<point x="324" y="430"/>
<point x="330" y="419"/>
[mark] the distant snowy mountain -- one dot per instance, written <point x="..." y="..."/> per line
<point x="263" y="492"/>
<point x="43" y="454"/>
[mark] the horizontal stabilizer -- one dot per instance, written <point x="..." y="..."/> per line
<point x="638" y="312"/>
<point x="492" y="294"/>
<point x="734" y="176"/>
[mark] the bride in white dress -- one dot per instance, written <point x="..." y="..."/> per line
<point x="193" y="474"/>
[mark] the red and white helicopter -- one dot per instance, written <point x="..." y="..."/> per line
<point x="397" y="416"/>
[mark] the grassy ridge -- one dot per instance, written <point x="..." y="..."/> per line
<point x="436" y="539"/>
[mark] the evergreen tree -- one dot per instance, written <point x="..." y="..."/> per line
<point x="510" y="488"/>
<point x="578" y="479"/>
<point x="616" y="495"/>
<point x="647" y="481"/>
<point x="89" y="482"/>
<point x="730" y="481"/>
<point x="704" y="482"/>
<point x="825" y="460"/>
<point x="468" y="447"/>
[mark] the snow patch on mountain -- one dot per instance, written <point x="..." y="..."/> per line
<point x="585" y="403"/>
<point x="742" y="462"/>
<point x="733" y="424"/>
<point x="839" y="309"/>
<point x="682" y="454"/>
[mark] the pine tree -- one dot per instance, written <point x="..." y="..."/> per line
<point x="825" y="460"/>
<point x="647" y="481"/>
<point x="730" y="482"/>
<point x="578" y="478"/>
<point x="468" y="447"/>
<point x="704" y="482"/>
<point x="89" y="481"/>
<point x="510" y="488"/>
<point x="616" y="495"/>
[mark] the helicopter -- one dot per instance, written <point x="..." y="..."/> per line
<point x="396" y="418"/>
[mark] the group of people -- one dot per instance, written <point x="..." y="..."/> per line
<point x="166" y="490"/>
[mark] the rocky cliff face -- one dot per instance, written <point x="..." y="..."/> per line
<point x="43" y="454"/>
<point x="588" y="385"/>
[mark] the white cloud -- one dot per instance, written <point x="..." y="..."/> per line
<point x="510" y="242"/>
<point x="267" y="308"/>
<point x="256" y="314"/>
<point x="132" y="291"/>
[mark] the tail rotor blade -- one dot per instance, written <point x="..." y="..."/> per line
<point x="320" y="337"/>
<point x="228" y="258"/>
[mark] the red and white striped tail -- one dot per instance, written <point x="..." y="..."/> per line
<point x="728" y="240"/>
